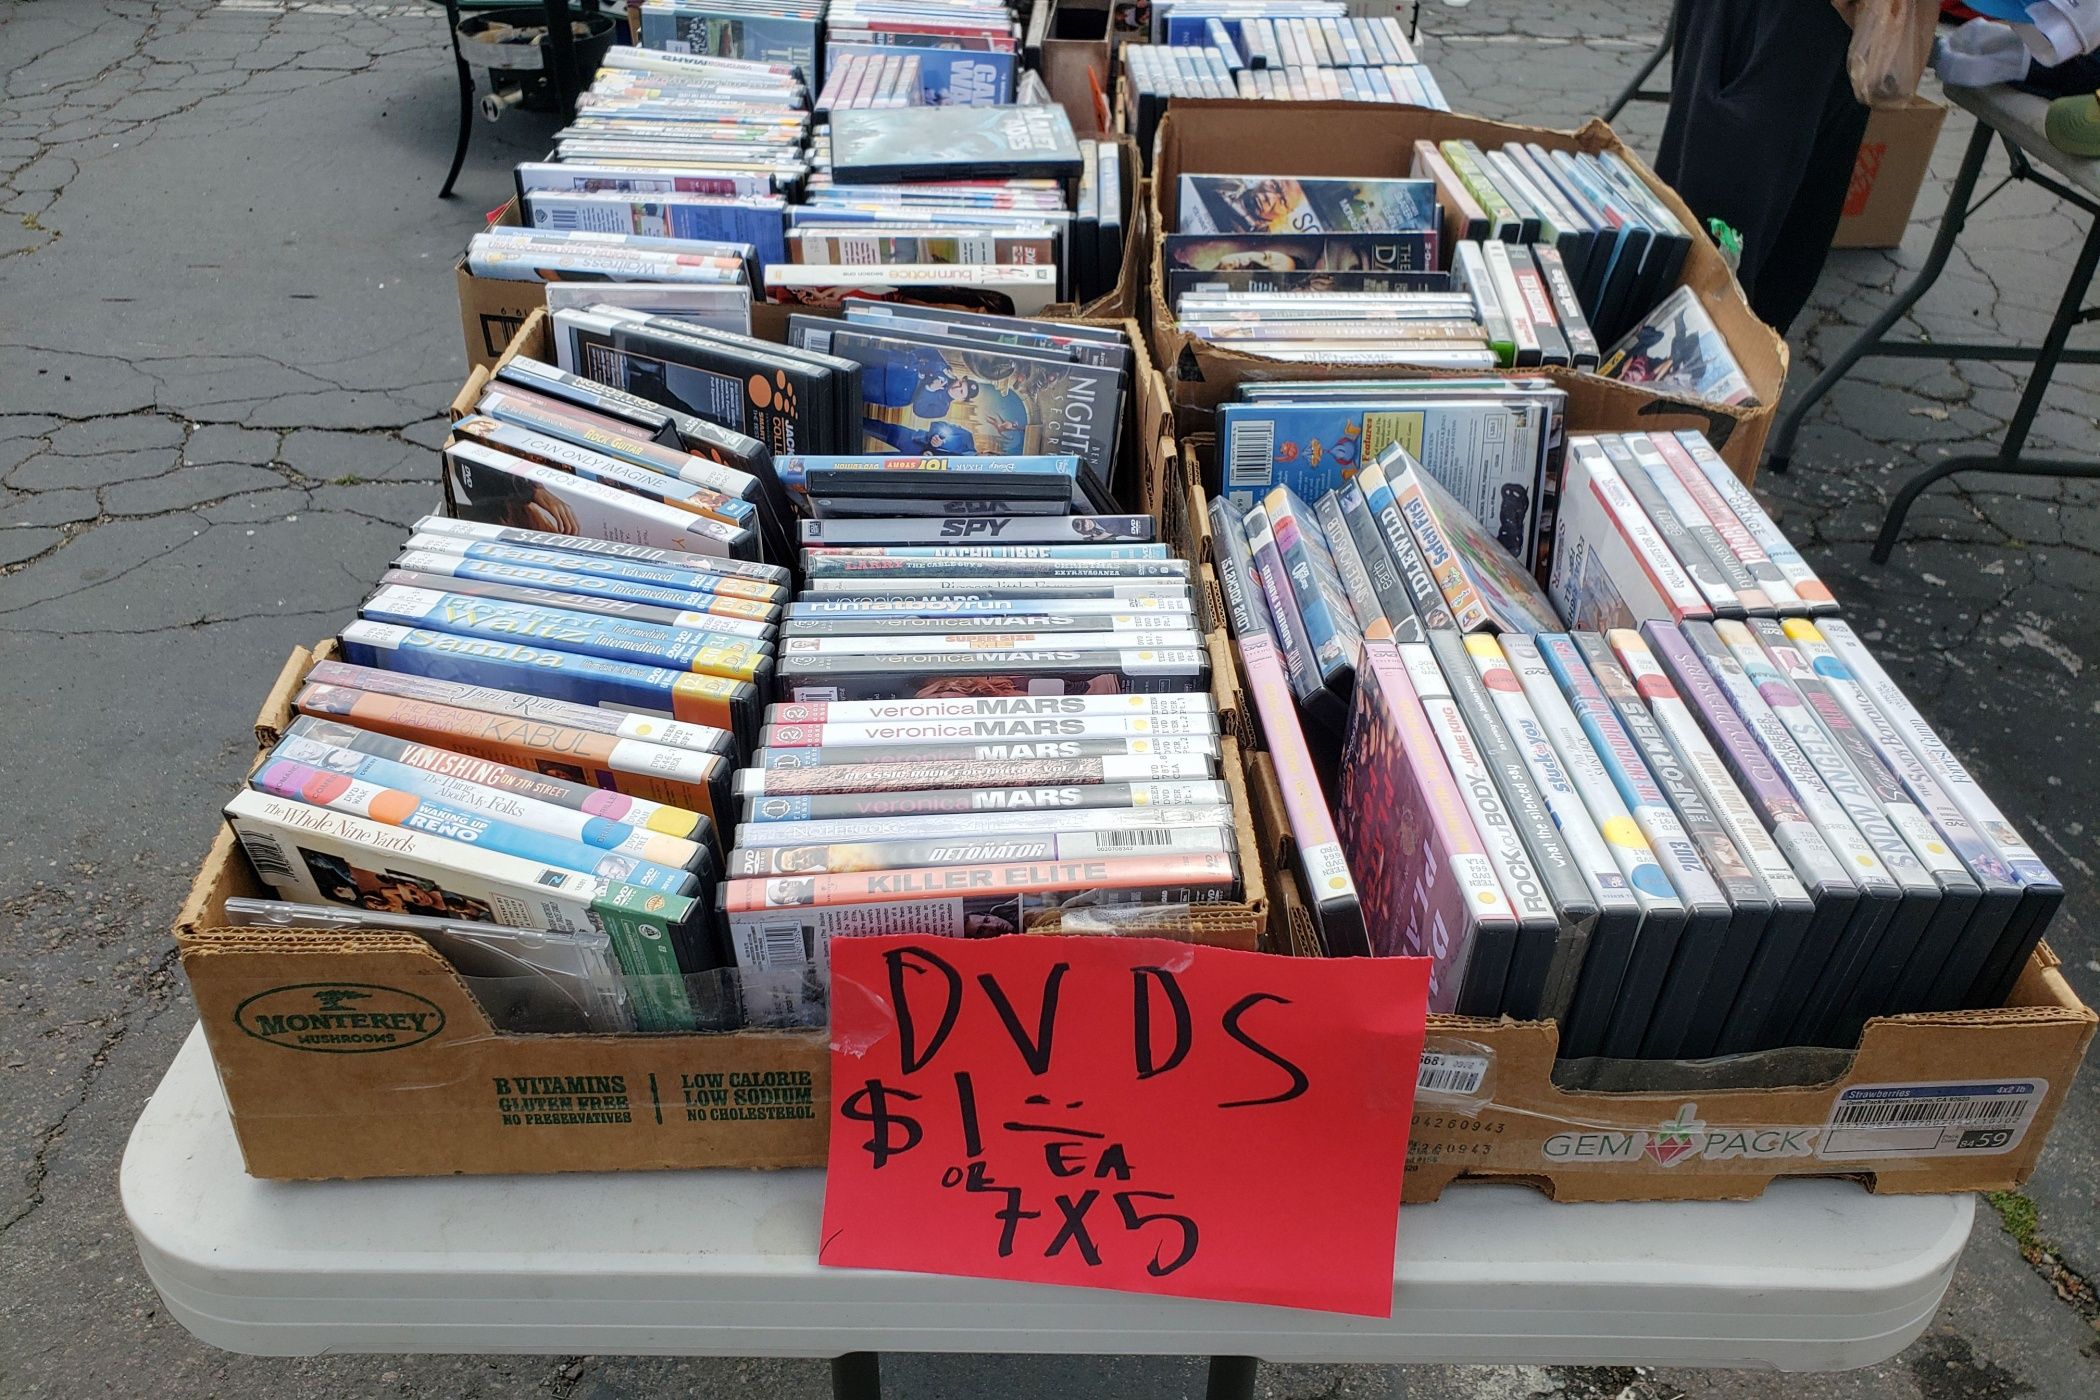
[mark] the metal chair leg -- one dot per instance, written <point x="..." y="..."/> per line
<point x="466" y="101"/>
<point x="1779" y="456"/>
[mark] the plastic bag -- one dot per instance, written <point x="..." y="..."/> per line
<point x="1891" y="41"/>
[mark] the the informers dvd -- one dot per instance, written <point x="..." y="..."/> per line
<point x="1484" y="990"/>
<point x="1427" y="885"/>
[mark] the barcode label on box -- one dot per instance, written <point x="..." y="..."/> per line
<point x="1931" y="1120"/>
<point x="1137" y="836"/>
<point x="781" y="945"/>
<point x="1251" y="461"/>
<point x="1458" y="1076"/>
<point x="268" y="857"/>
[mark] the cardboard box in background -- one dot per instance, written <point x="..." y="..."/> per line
<point x="1893" y="158"/>
<point x="491" y="310"/>
<point x="1346" y="138"/>
<point x="1076" y="59"/>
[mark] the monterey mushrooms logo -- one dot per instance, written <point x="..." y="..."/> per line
<point x="339" y="1018"/>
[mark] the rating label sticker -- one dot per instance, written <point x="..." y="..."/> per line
<point x="1931" y="1120"/>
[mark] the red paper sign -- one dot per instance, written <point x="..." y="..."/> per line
<point x="1122" y="1113"/>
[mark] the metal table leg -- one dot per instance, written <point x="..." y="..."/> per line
<point x="1632" y="89"/>
<point x="1231" y="1378"/>
<point x="1780" y="454"/>
<point x="561" y="48"/>
<point x="466" y="99"/>
<point x="856" y="1376"/>
<point x="2007" y="461"/>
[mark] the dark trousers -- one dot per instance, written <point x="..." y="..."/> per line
<point x="1762" y="133"/>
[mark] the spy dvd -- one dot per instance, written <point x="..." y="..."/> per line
<point x="987" y="529"/>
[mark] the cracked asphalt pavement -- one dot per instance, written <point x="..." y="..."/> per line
<point x="227" y="332"/>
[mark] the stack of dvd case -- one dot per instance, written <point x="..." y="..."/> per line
<point x="676" y="168"/>
<point x="996" y="208"/>
<point x="1655" y="526"/>
<point x="1618" y="247"/>
<point x="1495" y="445"/>
<point x="1508" y="258"/>
<point x="951" y="53"/>
<point x="971" y="738"/>
<point x="1279" y="50"/>
<point x="1677" y="833"/>
<point x="735" y="400"/>
<point x="525" y="754"/>
<point x="964" y="407"/>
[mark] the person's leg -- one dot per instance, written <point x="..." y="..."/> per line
<point x="1752" y="84"/>
<point x="1803" y="242"/>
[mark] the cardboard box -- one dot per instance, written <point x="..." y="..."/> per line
<point x="1076" y="56"/>
<point x="462" y="1097"/>
<point x="1894" y="154"/>
<point x="1624" y="1130"/>
<point x="1344" y="138"/>
<point x="1633" y="1130"/>
<point x="492" y="310"/>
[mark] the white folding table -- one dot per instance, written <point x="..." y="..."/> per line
<point x="1814" y="1276"/>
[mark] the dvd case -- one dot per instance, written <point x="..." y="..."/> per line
<point x="1427" y="885"/>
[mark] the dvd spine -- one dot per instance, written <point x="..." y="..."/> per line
<point x="603" y="833"/>
<point x="302" y="782"/>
